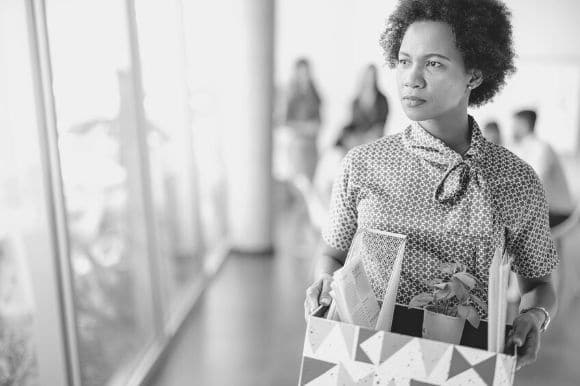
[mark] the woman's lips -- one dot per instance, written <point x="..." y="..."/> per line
<point x="411" y="101"/>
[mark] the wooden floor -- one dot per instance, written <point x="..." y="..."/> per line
<point x="248" y="327"/>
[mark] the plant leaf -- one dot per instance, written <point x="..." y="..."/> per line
<point x="421" y="300"/>
<point x="466" y="278"/>
<point x="459" y="290"/>
<point x="469" y="313"/>
<point x="479" y="302"/>
<point x="444" y="293"/>
<point x="433" y="282"/>
<point x="448" y="268"/>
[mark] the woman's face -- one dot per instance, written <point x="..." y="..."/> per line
<point x="431" y="75"/>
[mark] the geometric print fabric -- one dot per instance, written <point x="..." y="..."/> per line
<point x="450" y="207"/>
<point x="401" y="360"/>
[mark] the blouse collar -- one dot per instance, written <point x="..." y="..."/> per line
<point x="458" y="170"/>
<point x="416" y="137"/>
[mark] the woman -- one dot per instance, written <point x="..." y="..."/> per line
<point x="318" y="193"/>
<point x="303" y="118"/>
<point x="454" y="194"/>
<point x="370" y="107"/>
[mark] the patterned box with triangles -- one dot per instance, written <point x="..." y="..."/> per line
<point x="338" y="353"/>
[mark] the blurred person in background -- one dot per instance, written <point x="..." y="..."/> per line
<point x="453" y="194"/>
<point x="544" y="160"/>
<point x="302" y="117"/>
<point x="297" y="118"/>
<point x="492" y="133"/>
<point x="318" y="193"/>
<point x="370" y="108"/>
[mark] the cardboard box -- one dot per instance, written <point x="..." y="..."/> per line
<point x="337" y="353"/>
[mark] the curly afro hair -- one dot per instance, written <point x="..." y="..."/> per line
<point x="483" y="35"/>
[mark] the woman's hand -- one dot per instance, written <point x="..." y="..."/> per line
<point x="525" y="335"/>
<point x="536" y="292"/>
<point x="317" y="294"/>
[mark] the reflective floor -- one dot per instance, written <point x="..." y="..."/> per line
<point x="248" y="327"/>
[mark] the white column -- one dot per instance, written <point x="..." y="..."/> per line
<point x="248" y="124"/>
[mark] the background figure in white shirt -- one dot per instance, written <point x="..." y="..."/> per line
<point x="544" y="160"/>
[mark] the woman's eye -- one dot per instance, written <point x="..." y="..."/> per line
<point x="432" y="63"/>
<point x="403" y="61"/>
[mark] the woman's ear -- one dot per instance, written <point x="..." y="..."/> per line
<point x="475" y="79"/>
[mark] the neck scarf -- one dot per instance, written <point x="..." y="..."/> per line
<point x="461" y="186"/>
<point x="459" y="171"/>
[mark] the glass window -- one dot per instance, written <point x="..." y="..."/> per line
<point x="101" y="174"/>
<point x="21" y="201"/>
<point x="169" y="142"/>
<point x="209" y="62"/>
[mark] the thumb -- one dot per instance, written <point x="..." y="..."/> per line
<point x="325" y="298"/>
<point x="519" y="333"/>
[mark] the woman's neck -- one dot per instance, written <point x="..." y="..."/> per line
<point x="452" y="130"/>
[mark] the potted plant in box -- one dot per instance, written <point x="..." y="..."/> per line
<point x="449" y="304"/>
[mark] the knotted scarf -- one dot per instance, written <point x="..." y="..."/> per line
<point x="461" y="185"/>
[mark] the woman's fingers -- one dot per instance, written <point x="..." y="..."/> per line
<point x="318" y="293"/>
<point x="526" y="337"/>
<point x="325" y="293"/>
<point x="529" y="349"/>
<point x="312" y="294"/>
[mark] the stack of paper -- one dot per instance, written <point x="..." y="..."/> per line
<point x="499" y="273"/>
<point x="355" y="299"/>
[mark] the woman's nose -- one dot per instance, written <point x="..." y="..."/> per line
<point x="414" y="77"/>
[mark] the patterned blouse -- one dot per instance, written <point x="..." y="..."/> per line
<point x="451" y="208"/>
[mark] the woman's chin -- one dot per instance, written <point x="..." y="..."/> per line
<point x="415" y="114"/>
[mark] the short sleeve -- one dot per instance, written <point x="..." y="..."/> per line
<point x="530" y="242"/>
<point x="342" y="216"/>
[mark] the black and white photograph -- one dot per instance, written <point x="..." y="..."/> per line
<point x="289" y="192"/>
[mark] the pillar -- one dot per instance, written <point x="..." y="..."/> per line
<point x="248" y="128"/>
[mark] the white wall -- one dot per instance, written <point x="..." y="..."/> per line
<point x="548" y="77"/>
<point x="341" y="37"/>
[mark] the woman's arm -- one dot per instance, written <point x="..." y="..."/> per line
<point x="330" y="259"/>
<point x="537" y="292"/>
